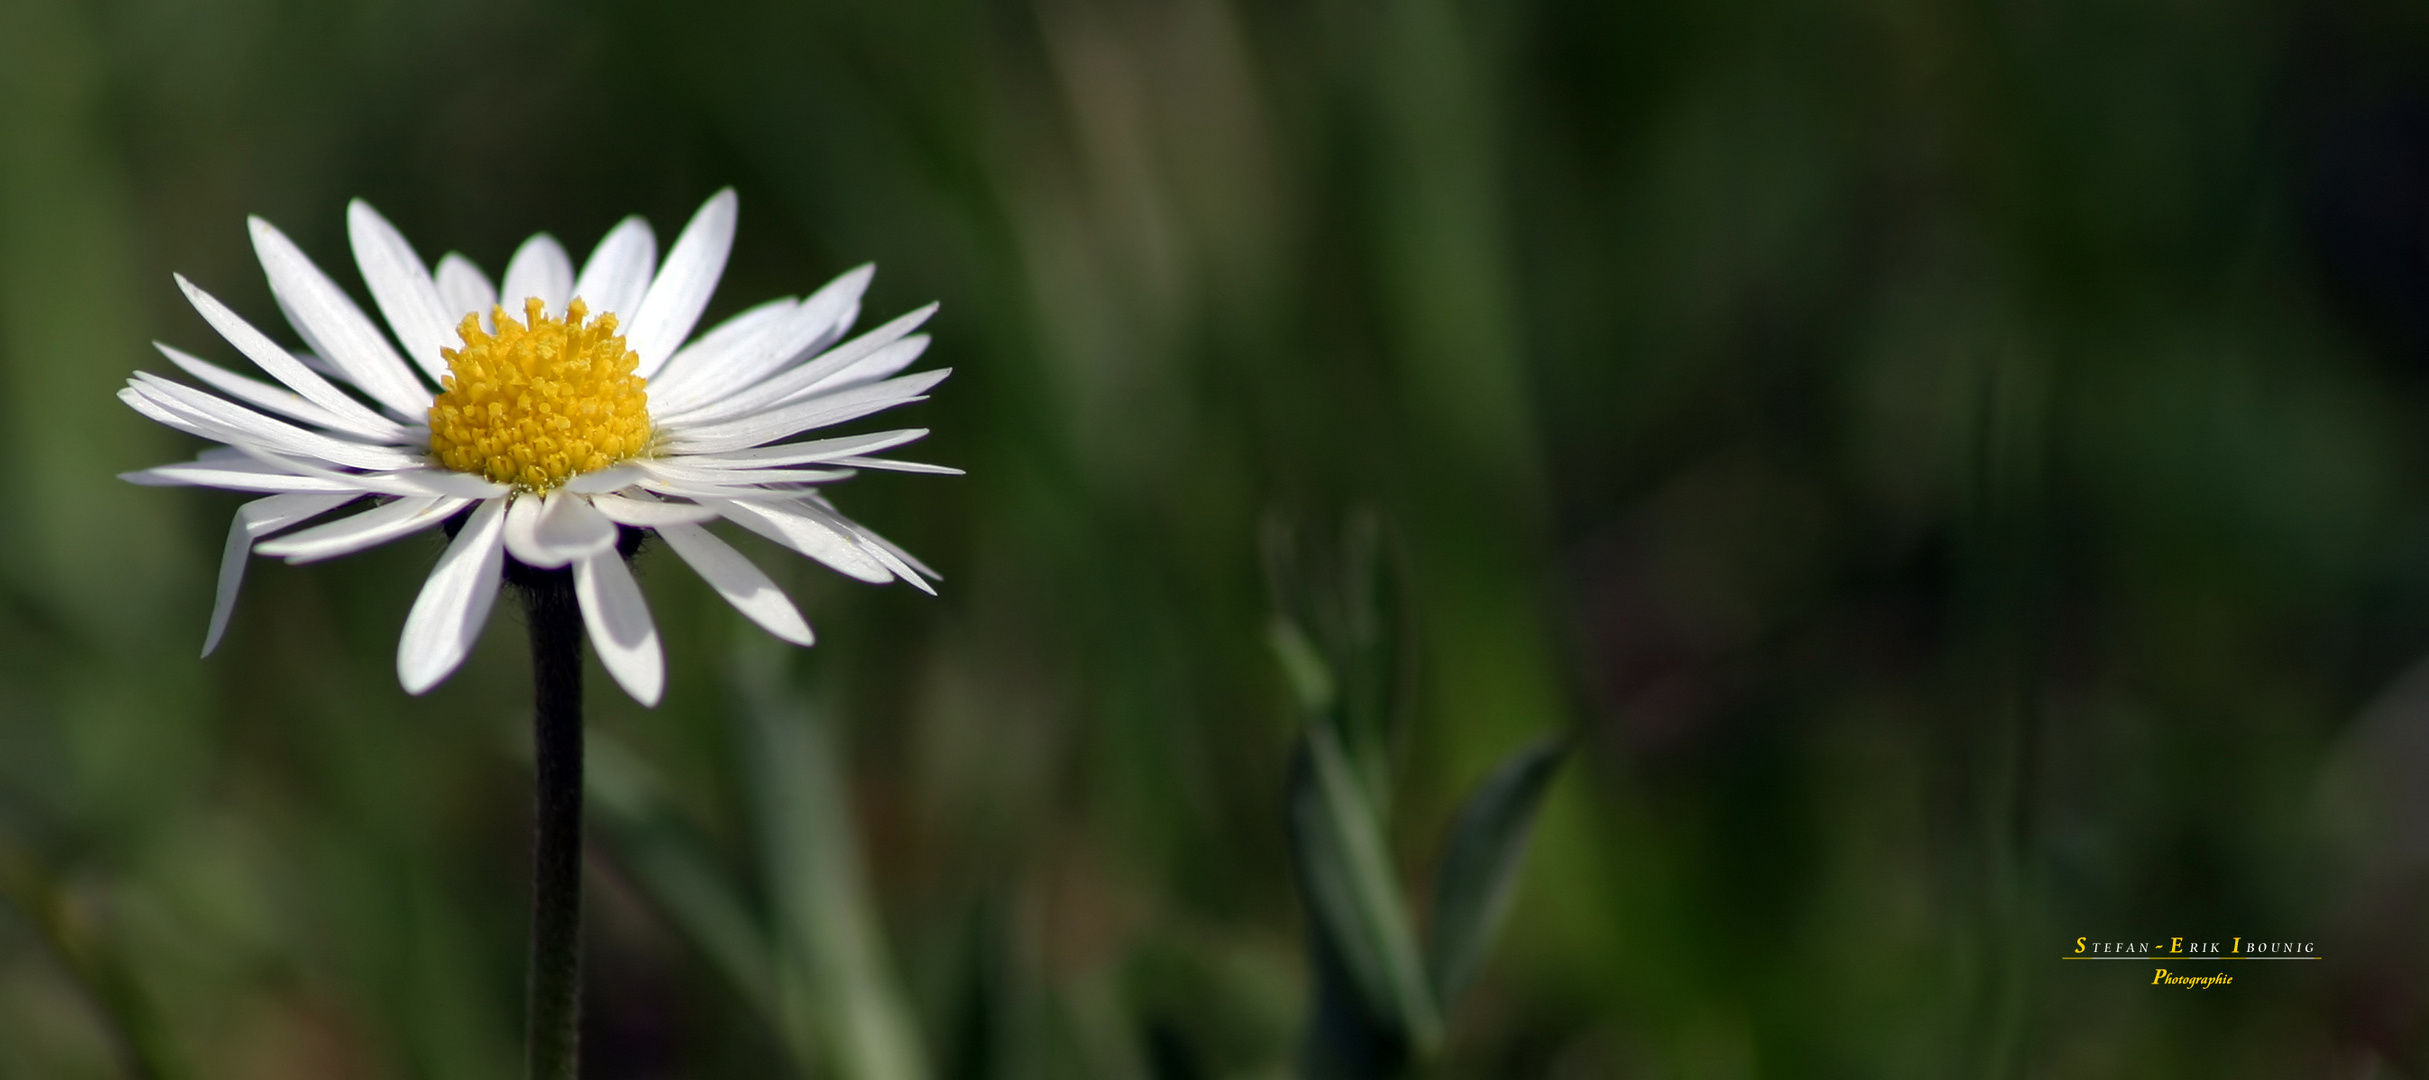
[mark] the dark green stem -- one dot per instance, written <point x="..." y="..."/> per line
<point x="555" y="1006"/>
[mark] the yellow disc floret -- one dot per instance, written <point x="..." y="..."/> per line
<point x="538" y="403"/>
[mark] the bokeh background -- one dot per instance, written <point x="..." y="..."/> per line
<point x="1955" y="469"/>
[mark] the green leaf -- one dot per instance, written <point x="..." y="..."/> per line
<point x="1373" y="647"/>
<point x="1352" y="893"/>
<point x="1479" y="871"/>
<point x="1341" y="632"/>
<point x="1311" y="679"/>
<point x="94" y="959"/>
<point x="833" y="971"/>
<point x="676" y="868"/>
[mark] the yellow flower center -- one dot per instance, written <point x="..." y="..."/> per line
<point x="541" y="402"/>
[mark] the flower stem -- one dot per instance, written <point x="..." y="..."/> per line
<point x="555" y="1005"/>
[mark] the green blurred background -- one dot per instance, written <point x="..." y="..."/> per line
<point x="1955" y="468"/>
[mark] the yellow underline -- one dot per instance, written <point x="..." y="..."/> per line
<point x="2191" y="956"/>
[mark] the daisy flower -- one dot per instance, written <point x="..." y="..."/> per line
<point x="549" y="423"/>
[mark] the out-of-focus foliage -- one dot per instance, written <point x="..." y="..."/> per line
<point x="1343" y="637"/>
<point x="1955" y="467"/>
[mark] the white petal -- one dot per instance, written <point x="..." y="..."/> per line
<point x="313" y="360"/>
<point x="267" y="355"/>
<point x="720" y="346"/>
<point x="620" y="627"/>
<point x="314" y="356"/>
<point x="647" y="514"/>
<point x="401" y="286"/>
<point x="280" y="512"/>
<point x="569" y="528"/>
<point x="253" y="521"/>
<point x="738" y="397"/>
<point x="539" y="268"/>
<point x="817" y="378"/>
<point x="891" y="557"/>
<point x="617" y="274"/>
<point x="801" y="416"/>
<point x="743" y="585"/>
<point x="814" y="324"/>
<point x="884" y="553"/>
<point x="794" y="526"/>
<point x="893" y="465"/>
<point x="877" y="365"/>
<point x="682" y="287"/>
<point x="681" y="471"/>
<point x="337" y="328"/>
<point x="370" y="528"/>
<point x="894" y="549"/>
<point x="447" y="617"/>
<point x="818" y="501"/>
<point x="248" y="476"/>
<point x="522" y="526"/>
<point x="261" y="395"/>
<point x="404" y="483"/>
<point x="466" y="290"/>
<point x="137" y="400"/>
<point x="220" y="420"/>
<point x="706" y="493"/>
<point x="613" y="478"/>
<point x="433" y="481"/>
<point x="804" y="453"/>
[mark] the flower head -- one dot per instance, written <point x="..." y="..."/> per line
<point x="540" y="402"/>
<point x="542" y="421"/>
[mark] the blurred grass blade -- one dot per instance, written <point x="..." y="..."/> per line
<point x="1352" y="894"/>
<point x="673" y="864"/>
<point x="1479" y="871"/>
<point x="1311" y="679"/>
<point x="100" y="969"/>
<point x="1341" y="633"/>
<point x="1375" y="651"/>
<point x="830" y="948"/>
